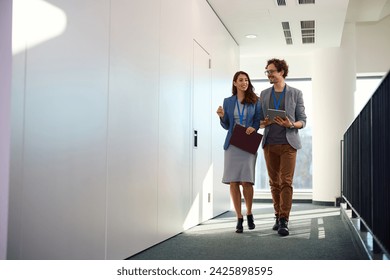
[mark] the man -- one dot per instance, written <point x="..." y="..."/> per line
<point x="281" y="139"/>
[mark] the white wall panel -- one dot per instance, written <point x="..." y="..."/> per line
<point x="16" y="155"/>
<point x="133" y="127"/>
<point x="62" y="198"/>
<point x="372" y="46"/>
<point x="101" y="161"/>
<point x="224" y="65"/>
<point x="174" y="117"/>
<point x="5" y="106"/>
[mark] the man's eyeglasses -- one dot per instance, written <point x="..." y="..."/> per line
<point x="269" y="72"/>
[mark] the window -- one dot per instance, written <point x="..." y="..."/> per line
<point x="365" y="88"/>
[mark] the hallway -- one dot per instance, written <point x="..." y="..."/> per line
<point x="316" y="233"/>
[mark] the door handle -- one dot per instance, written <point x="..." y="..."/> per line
<point x="195" y="138"/>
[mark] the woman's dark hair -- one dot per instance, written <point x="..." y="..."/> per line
<point x="250" y="95"/>
<point x="280" y="65"/>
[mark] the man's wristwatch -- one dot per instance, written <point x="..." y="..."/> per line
<point x="292" y="126"/>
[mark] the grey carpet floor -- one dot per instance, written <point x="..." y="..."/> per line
<point x="316" y="233"/>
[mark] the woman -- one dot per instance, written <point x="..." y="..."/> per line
<point x="242" y="108"/>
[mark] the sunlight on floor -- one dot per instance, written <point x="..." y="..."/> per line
<point x="302" y="222"/>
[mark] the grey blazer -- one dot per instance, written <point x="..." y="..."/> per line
<point x="295" y="110"/>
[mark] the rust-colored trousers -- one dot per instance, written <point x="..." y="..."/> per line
<point x="280" y="161"/>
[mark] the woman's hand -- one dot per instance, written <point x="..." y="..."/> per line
<point x="220" y="112"/>
<point x="250" y="130"/>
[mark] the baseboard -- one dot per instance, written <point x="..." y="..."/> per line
<point x="269" y="200"/>
<point x="298" y="197"/>
<point x="362" y="239"/>
<point x="324" y="203"/>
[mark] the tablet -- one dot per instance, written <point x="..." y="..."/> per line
<point x="273" y="113"/>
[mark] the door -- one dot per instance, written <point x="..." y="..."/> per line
<point x="201" y="146"/>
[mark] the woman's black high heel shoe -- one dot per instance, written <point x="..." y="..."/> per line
<point x="239" y="227"/>
<point x="251" y="224"/>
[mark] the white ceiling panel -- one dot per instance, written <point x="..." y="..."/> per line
<point x="264" y="19"/>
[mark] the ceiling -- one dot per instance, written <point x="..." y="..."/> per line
<point x="323" y="27"/>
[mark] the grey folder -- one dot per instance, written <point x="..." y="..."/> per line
<point x="249" y="143"/>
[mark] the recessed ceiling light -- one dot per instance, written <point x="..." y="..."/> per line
<point x="251" y="36"/>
